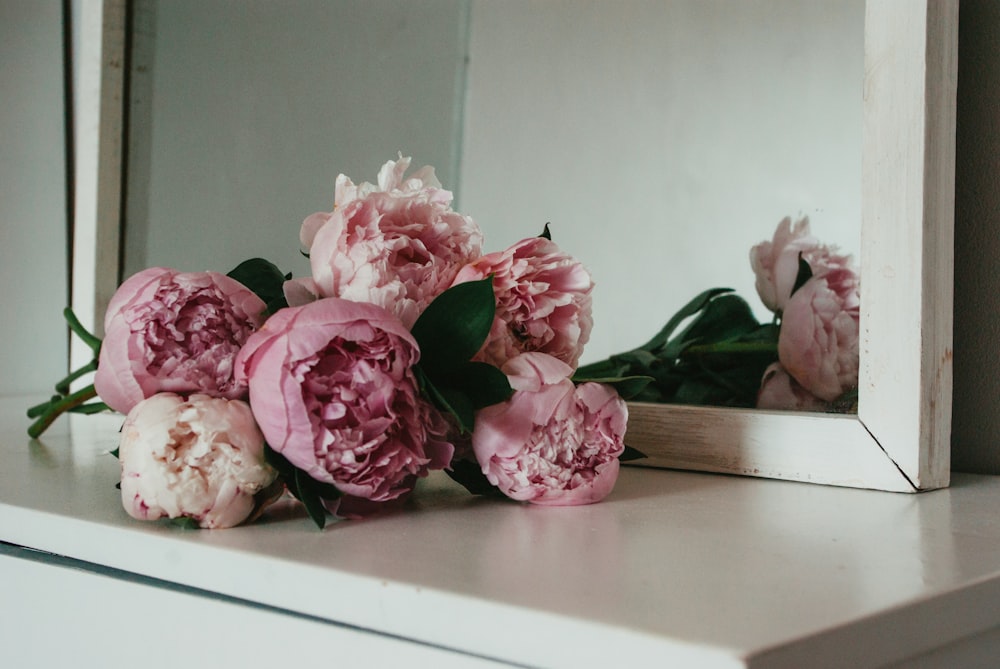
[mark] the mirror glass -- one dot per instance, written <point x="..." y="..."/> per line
<point x="661" y="139"/>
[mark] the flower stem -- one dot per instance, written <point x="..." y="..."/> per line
<point x="63" y="386"/>
<point x="58" y="408"/>
<point x="39" y="409"/>
<point x="87" y="409"/>
<point x="74" y="324"/>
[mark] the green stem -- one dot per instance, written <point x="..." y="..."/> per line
<point x="39" y="409"/>
<point x="74" y="324"/>
<point x="63" y="386"/>
<point x="87" y="409"/>
<point x="57" y="408"/>
<point x="732" y="347"/>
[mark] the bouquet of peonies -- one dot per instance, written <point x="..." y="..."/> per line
<point x="805" y="358"/>
<point x="406" y="350"/>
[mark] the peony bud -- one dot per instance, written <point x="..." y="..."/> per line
<point x="200" y="458"/>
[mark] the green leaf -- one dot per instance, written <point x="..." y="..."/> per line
<point x="303" y="487"/>
<point x="723" y="318"/>
<point x="546" y="233"/>
<point x="470" y="475"/>
<point x="310" y="498"/>
<point x="264" y="279"/>
<point x="465" y="389"/>
<point x="454" y="326"/>
<point x="484" y="384"/>
<point x="690" y="309"/>
<point x="635" y="360"/>
<point x="460" y="406"/>
<point x="433" y="394"/>
<point x="185" y="522"/>
<point x="449" y="332"/>
<point x="626" y="386"/>
<point x="846" y="403"/>
<point x="630" y="454"/>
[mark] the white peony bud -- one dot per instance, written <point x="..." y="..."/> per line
<point x="200" y="458"/>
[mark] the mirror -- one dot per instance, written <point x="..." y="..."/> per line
<point x="637" y="165"/>
<point x="659" y="156"/>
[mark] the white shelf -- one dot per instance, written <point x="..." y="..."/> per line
<point x="674" y="568"/>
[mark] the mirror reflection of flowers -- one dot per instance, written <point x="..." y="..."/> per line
<point x="815" y="293"/>
<point x="362" y="377"/>
<point x="714" y="351"/>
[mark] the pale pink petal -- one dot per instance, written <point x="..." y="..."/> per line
<point x="398" y="244"/>
<point x="818" y="344"/>
<point x="200" y="458"/>
<point x="551" y="443"/>
<point x="779" y="391"/>
<point x="543" y="301"/>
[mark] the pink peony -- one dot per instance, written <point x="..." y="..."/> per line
<point x="779" y="391"/>
<point x="818" y="343"/>
<point x="177" y="332"/>
<point x="551" y="443"/>
<point x="776" y="263"/>
<point x="543" y="302"/>
<point x="333" y="389"/>
<point x="200" y="458"/>
<point x="397" y="245"/>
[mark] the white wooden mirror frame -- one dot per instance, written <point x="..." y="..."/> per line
<point x="900" y="438"/>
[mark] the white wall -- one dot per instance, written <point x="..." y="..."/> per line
<point x="33" y="251"/>
<point x="663" y="139"/>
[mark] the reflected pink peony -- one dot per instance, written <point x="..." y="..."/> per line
<point x="397" y="245"/>
<point x="333" y="389"/>
<point x="177" y="332"/>
<point x="779" y="391"/>
<point x="776" y="263"/>
<point x="543" y="302"/>
<point x="551" y="443"/>
<point x="818" y="343"/>
<point x="200" y="458"/>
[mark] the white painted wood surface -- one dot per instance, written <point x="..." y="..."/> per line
<point x="900" y="439"/>
<point x="911" y="79"/>
<point x="815" y="448"/>
<point x="673" y="569"/>
<point x="125" y="616"/>
<point x="98" y="133"/>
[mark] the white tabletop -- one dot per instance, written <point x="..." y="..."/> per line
<point x="684" y="568"/>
